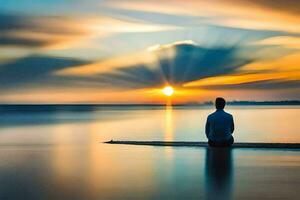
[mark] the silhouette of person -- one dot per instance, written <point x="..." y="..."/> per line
<point x="219" y="126"/>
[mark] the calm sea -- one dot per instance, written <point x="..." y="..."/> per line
<point x="56" y="152"/>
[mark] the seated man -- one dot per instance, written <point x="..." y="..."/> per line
<point x="219" y="126"/>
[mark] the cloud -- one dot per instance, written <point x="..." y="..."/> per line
<point x="34" y="71"/>
<point x="284" y="41"/>
<point x="61" y="32"/>
<point x="251" y="80"/>
<point x="177" y="6"/>
<point x="282" y="5"/>
<point x="38" y="32"/>
<point x="254" y="15"/>
<point x="185" y="65"/>
<point x="158" y="47"/>
<point x="282" y="72"/>
<point x="176" y="64"/>
<point x="188" y="65"/>
<point x="9" y="40"/>
<point x="258" y="85"/>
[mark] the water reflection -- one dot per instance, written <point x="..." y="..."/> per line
<point x="52" y="157"/>
<point x="218" y="172"/>
<point x="169" y="136"/>
<point x="169" y="123"/>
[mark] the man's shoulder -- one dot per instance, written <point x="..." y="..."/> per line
<point x="228" y="114"/>
<point x="212" y="115"/>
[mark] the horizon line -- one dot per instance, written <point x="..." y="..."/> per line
<point x="233" y="102"/>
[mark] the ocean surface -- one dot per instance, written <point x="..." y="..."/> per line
<point x="57" y="152"/>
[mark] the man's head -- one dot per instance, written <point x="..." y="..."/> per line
<point x="220" y="103"/>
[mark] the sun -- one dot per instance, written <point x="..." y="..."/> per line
<point x="168" y="91"/>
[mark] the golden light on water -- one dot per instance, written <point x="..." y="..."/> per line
<point x="169" y="123"/>
<point x="168" y="91"/>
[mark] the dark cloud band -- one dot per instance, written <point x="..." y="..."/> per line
<point x="34" y="31"/>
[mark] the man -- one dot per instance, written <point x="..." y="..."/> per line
<point x="219" y="126"/>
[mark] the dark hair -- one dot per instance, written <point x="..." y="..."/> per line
<point x="220" y="103"/>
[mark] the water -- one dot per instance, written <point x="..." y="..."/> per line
<point x="57" y="153"/>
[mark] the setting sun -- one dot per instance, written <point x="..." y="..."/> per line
<point x="168" y="91"/>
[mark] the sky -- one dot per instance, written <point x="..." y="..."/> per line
<point x="126" y="51"/>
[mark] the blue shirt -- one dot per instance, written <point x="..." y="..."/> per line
<point x="219" y="126"/>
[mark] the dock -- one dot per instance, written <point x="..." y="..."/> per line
<point x="295" y="146"/>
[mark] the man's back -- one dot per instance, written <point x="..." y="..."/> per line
<point x="219" y="126"/>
